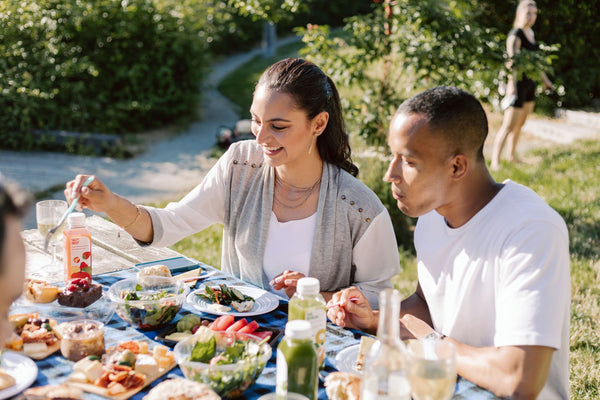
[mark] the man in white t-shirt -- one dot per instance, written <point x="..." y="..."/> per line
<point x="493" y="258"/>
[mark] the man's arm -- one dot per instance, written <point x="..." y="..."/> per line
<point x="516" y="372"/>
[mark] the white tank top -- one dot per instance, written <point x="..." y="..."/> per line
<point x="288" y="246"/>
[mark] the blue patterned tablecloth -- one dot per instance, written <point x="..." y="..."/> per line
<point x="55" y="369"/>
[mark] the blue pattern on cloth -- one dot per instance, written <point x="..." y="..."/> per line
<point x="55" y="369"/>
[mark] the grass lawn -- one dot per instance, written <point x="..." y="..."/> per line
<point x="567" y="177"/>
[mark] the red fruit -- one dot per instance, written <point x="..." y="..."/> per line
<point x="263" y="334"/>
<point x="83" y="265"/>
<point x="86" y="255"/>
<point x="76" y="260"/>
<point x="251" y="327"/>
<point x="237" y="325"/>
<point x="222" y="323"/>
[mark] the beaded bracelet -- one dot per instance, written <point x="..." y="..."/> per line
<point x="137" y="216"/>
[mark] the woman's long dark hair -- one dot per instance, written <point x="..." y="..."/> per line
<point x="314" y="92"/>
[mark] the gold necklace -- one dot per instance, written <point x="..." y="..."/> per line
<point x="301" y="194"/>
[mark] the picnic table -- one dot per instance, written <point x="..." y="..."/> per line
<point x="115" y="255"/>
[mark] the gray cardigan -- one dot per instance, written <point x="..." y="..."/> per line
<point x="345" y="210"/>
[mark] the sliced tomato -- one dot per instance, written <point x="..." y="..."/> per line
<point x="222" y="323"/>
<point x="249" y="328"/>
<point x="237" y="325"/>
<point x="263" y="334"/>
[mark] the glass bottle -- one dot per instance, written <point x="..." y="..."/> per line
<point x="385" y="372"/>
<point x="297" y="368"/>
<point x="308" y="304"/>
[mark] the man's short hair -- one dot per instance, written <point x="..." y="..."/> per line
<point x="14" y="202"/>
<point x="453" y="113"/>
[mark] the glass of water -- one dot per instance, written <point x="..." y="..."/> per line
<point x="432" y="369"/>
<point x="47" y="215"/>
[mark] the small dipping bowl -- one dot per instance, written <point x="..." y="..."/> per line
<point x="82" y="338"/>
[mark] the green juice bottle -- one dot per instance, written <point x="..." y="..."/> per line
<point x="297" y="368"/>
<point x="308" y="304"/>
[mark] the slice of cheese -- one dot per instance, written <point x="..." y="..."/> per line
<point x="35" y="348"/>
<point x="363" y="349"/>
<point x="146" y="364"/>
<point x="92" y="369"/>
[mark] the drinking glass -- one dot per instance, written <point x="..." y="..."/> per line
<point x="47" y="215"/>
<point x="432" y="369"/>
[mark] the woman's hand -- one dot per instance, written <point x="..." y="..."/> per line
<point x="287" y="281"/>
<point x="349" y="308"/>
<point x="96" y="196"/>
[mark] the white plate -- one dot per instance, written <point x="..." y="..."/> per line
<point x="345" y="360"/>
<point x="22" y="368"/>
<point x="263" y="300"/>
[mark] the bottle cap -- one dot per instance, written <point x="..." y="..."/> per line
<point x="76" y="219"/>
<point x="308" y="286"/>
<point x="298" y="329"/>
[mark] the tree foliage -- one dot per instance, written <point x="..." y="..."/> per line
<point x="412" y="44"/>
<point x="101" y="66"/>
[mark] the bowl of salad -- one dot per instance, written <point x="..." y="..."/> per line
<point x="148" y="305"/>
<point x="229" y="362"/>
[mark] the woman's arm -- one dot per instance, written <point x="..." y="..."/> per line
<point x="513" y="45"/>
<point x="376" y="258"/>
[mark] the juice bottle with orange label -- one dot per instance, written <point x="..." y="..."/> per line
<point x="77" y="248"/>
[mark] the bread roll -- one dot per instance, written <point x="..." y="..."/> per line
<point x="342" y="386"/>
<point x="181" y="389"/>
<point x="52" y="392"/>
<point x="39" y="291"/>
<point x="6" y="380"/>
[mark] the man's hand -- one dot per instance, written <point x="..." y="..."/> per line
<point x="350" y="309"/>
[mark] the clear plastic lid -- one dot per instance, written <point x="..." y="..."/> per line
<point x="298" y="329"/>
<point x="76" y="220"/>
<point x="308" y="286"/>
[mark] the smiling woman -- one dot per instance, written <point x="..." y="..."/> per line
<point x="289" y="202"/>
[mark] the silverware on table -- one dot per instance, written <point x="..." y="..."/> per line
<point x="64" y="217"/>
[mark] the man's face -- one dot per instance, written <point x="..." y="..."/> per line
<point x="13" y="272"/>
<point x="421" y="168"/>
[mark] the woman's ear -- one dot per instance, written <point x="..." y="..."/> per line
<point x="319" y="123"/>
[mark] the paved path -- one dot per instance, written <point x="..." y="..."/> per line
<point x="168" y="169"/>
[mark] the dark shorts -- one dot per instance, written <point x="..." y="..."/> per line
<point x="525" y="92"/>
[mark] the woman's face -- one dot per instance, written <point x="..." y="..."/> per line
<point x="12" y="264"/>
<point x="527" y="16"/>
<point x="285" y="133"/>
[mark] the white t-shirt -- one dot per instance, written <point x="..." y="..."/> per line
<point x="288" y="247"/>
<point x="501" y="279"/>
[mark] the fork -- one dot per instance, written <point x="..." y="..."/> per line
<point x="64" y="217"/>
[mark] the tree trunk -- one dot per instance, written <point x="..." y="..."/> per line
<point x="269" y="39"/>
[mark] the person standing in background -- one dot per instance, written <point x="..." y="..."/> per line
<point x="520" y="93"/>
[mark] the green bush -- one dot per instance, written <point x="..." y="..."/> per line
<point x="97" y="66"/>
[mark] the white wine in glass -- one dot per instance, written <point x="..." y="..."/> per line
<point x="432" y="371"/>
<point x="47" y="215"/>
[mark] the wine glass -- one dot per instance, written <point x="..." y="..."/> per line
<point x="432" y="369"/>
<point x="47" y="215"/>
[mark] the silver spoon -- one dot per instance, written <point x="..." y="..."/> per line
<point x="64" y="217"/>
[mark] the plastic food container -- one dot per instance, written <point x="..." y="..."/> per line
<point x="148" y="305"/>
<point x="81" y="339"/>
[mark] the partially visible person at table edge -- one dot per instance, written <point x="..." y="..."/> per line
<point x="493" y="258"/>
<point x="520" y="91"/>
<point x="13" y="205"/>
<point x="289" y="201"/>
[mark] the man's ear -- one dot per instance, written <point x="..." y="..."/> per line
<point x="460" y="166"/>
<point x="320" y="122"/>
